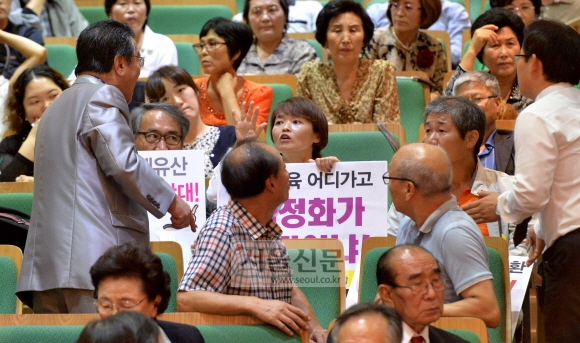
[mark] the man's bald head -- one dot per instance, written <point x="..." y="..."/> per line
<point x="426" y="165"/>
<point x="246" y="169"/>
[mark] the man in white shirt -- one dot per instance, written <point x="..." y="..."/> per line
<point x="409" y="280"/>
<point x="547" y="139"/>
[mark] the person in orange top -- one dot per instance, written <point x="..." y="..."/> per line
<point x="223" y="45"/>
<point x="457" y="125"/>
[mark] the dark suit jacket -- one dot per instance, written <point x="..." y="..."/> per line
<point x="441" y="336"/>
<point x="505" y="151"/>
<point x="180" y="333"/>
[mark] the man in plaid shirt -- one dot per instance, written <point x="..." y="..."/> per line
<point x="239" y="264"/>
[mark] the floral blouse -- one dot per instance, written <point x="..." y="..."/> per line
<point x="373" y="96"/>
<point x="205" y="142"/>
<point x="425" y="54"/>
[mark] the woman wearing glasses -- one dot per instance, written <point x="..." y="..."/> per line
<point x="496" y="38"/>
<point x="224" y="44"/>
<point x="405" y="46"/>
<point x="272" y="52"/>
<point x="528" y="10"/>
<point x="173" y="85"/>
<point x="350" y="89"/>
<point x="131" y="278"/>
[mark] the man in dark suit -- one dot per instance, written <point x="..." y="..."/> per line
<point x="410" y="281"/>
<point x="497" y="150"/>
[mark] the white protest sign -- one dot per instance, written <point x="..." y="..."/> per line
<point x="349" y="204"/>
<point x="519" y="279"/>
<point x="184" y="171"/>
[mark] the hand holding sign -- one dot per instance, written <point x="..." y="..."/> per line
<point x="181" y="214"/>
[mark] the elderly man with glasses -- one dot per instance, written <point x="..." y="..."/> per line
<point x="420" y="185"/>
<point x="158" y="127"/>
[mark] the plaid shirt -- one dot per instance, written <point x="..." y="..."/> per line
<point x="234" y="254"/>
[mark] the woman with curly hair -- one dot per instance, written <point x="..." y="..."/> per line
<point x="34" y="90"/>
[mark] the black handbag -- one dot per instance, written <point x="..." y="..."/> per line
<point x="13" y="227"/>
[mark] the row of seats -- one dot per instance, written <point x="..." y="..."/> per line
<point x="327" y="299"/>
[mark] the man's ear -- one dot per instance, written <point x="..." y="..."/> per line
<point x="410" y="190"/>
<point x="120" y="65"/>
<point x="270" y="184"/>
<point x="537" y="67"/>
<point x="471" y="138"/>
<point x="385" y="293"/>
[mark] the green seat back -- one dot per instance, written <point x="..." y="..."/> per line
<point x="577" y="86"/>
<point x="93" y="13"/>
<point x="170" y="267"/>
<point x="359" y="146"/>
<point x="244" y="334"/>
<point x="467" y="335"/>
<point x="8" y="279"/>
<point x="459" y="2"/>
<point x="18" y="201"/>
<point x="367" y="289"/>
<point x="478" y="65"/>
<point x="281" y="92"/>
<point x="40" y="334"/>
<point x="184" y="19"/>
<point x="61" y="57"/>
<point x="496" y="267"/>
<point x="474" y="9"/>
<point x="317" y="47"/>
<point x="412" y="105"/>
<point x="486" y="6"/>
<point x="312" y="269"/>
<point x="187" y="58"/>
<point x="240" y="6"/>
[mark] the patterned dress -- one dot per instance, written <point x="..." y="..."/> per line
<point x="425" y="54"/>
<point x="287" y="58"/>
<point x="373" y="97"/>
<point x="214" y="143"/>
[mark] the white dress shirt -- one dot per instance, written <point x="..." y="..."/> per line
<point x="409" y="333"/>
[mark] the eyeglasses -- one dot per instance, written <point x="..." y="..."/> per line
<point x="210" y="46"/>
<point x="270" y="10"/>
<point x="524" y="8"/>
<point x="518" y="56"/>
<point x="479" y="100"/>
<point x="155" y="137"/>
<point x="422" y="287"/>
<point x="407" y="7"/>
<point x="386" y="179"/>
<point x="140" y="60"/>
<point x="106" y="307"/>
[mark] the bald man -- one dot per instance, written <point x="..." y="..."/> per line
<point x="367" y="323"/>
<point x="420" y="186"/>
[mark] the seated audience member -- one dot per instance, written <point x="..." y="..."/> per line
<point x="496" y="38"/>
<point x="420" y="186"/>
<point x="497" y="151"/>
<point x="158" y="127"/>
<point x="528" y="10"/>
<point x="223" y="45"/>
<point x="454" y="19"/>
<point x="409" y="280"/>
<point x="367" y="323"/>
<point x="130" y="277"/>
<point x="408" y="48"/>
<point x="12" y="52"/>
<point x="58" y="18"/>
<point x="272" y="52"/>
<point x="563" y="10"/>
<point x="232" y="270"/>
<point x="301" y="16"/>
<point x="126" y="327"/>
<point x="299" y="132"/>
<point x="34" y="90"/>
<point x="350" y="89"/>
<point x="174" y="85"/>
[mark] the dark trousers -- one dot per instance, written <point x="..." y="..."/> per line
<point x="561" y="284"/>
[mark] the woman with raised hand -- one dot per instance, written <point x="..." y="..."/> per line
<point x="350" y="89"/>
<point x="408" y="48"/>
<point x="496" y="38"/>
<point x="272" y="52"/>
<point x="223" y="45"/>
<point x="174" y="85"/>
